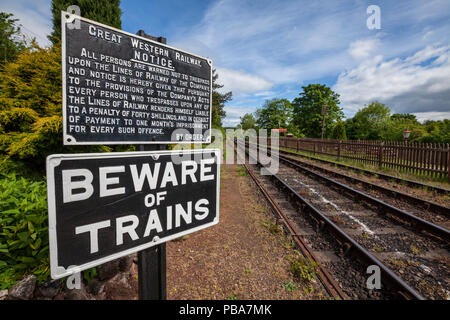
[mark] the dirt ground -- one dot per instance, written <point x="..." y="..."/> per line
<point x="239" y="258"/>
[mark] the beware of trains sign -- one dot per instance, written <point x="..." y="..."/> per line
<point x="120" y="88"/>
<point x="103" y="206"/>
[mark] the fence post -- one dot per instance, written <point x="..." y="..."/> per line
<point x="448" y="161"/>
<point x="339" y="150"/>
<point x="314" y="144"/>
<point x="297" y="143"/>
<point x="380" y="154"/>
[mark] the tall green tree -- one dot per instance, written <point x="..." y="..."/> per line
<point x="339" y="131"/>
<point x="369" y="122"/>
<point x="104" y="11"/>
<point x="275" y="113"/>
<point x="218" y="102"/>
<point x="12" y="41"/>
<point x="307" y="114"/>
<point x="248" y="121"/>
<point x="404" y="117"/>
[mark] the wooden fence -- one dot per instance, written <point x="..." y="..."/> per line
<point x="431" y="159"/>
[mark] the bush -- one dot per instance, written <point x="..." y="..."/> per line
<point x="23" y="230"/>
<point x="30" y="108"/>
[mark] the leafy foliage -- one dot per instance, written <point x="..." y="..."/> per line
<point x="307" y="115"/>
<point x="23" y="229"/>
<point x="30" y="108"/>
<point x="374" y="122"/>
<point x="339" y="131"/>
<point x="248" y="121"/>
<point x="369" y="122"/>
<point x="12" y="41"/>
<point x="303" y="269"/>
<point x="275" y="113"/>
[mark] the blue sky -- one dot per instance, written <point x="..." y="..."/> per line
<point x="268" y="49"/>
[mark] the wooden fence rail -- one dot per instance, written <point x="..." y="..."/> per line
<point x="430" y="159"/>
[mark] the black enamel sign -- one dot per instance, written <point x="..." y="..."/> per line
<point x="107" y="205"/>
<point x="120" y="88"/>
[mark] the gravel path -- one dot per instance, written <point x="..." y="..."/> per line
<point x="239" y="258"/>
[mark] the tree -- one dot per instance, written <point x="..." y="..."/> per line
<point x="307" y="114"/>
<point x="30" y="108"/>
<point x="275" y="113"/>
<point x="397" y="123"/>
<point x="11" y="39"/>
<point x="248" y="121"/>
<point x="339" y="131"/>
<point x="436" y="131"/>
<point x="404" y="117"/>
<point x="218" y="102"/>
<point x="369" y="122"/>
<point x="104" y="11"/>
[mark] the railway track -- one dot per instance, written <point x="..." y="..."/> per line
<point x="422" y="214"/>
<point x="348" y="228"/>
<point x="386" y="177"/>
<point x="426" y="209"/>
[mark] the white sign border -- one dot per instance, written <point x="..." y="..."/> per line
<point x="68" y="17"/>
<point x="54" y="160"/>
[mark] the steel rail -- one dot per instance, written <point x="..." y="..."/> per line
<point x="327" y="280"/>
<point x="388" y="277"/>
<point x="370" y="172"/>
<point x="417" y="222"/>
<point x="428" y="205"/>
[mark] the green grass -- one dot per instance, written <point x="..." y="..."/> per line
<point x="241" y="171"/>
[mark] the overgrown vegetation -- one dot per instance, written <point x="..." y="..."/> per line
<point x="30" y="130"/>
<point x="23" y="229"/>
<point x="304" y="270"/>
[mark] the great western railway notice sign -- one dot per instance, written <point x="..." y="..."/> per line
<point x="103" y="206"/>
<point x="120" y="88"/>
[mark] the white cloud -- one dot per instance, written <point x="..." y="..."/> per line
<point x="422" y="116"/>
<point x="418" y="83"/>
<point x="234" y="114"/>
<point x="241" y="82"/>
<point x="363" y="48"/>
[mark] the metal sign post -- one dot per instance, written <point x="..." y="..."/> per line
<point x="152" y="261"/>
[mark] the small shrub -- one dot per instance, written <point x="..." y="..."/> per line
<point x="303" y="269"/>
<point x="23" y="230"/>
<point x="90" y="274"/>
<point x="289" y="286"/>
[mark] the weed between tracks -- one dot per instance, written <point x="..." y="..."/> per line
<point x="304" y="270"/>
